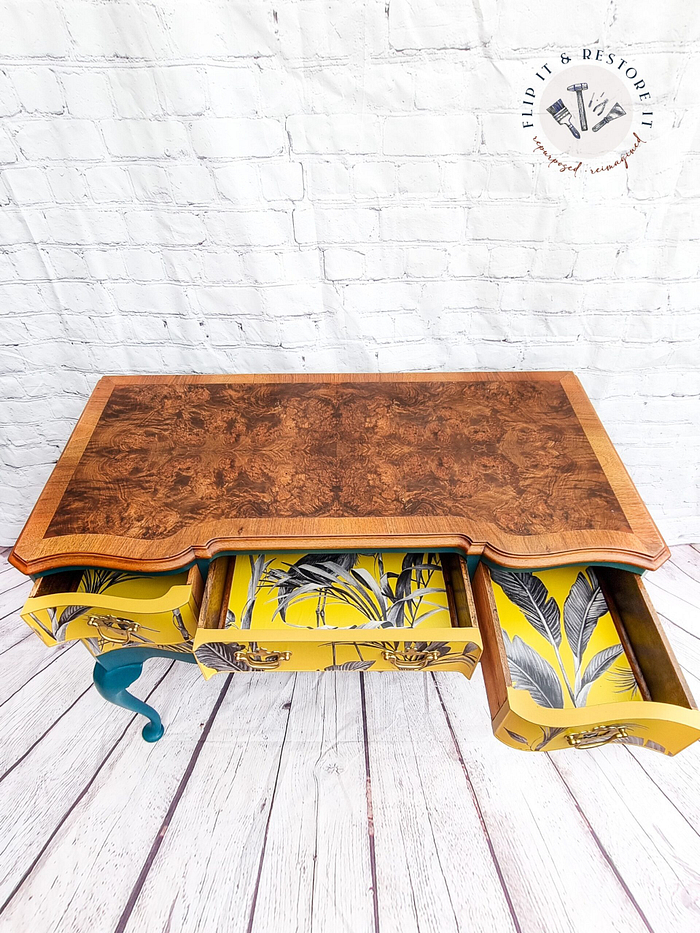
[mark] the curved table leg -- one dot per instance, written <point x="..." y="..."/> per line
<point x="112" y="682"/>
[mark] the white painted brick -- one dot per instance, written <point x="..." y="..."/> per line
<point x="145" y="138"/>
<point x="227" y="300"/>
<point x="238" y="181"/>
<point x="149" y="298"/>
<point x="8" y="153"/>
<point x="222" y="268"/>
<point x="9" y="101"/>
<point x="183" y="265"/>
<point x="593" y="223"/>
<point x="281" y="266"/>
<point x="60" y="139"/>
<point x="382" y="296"/>
<point x="469" y="260"/>
<point x="426" y="261"/>
<point x="553" y="263"/>
<point x="511" y="261"/>
<point x="507" y="180"/>
<point x="85" y="227"/>
<point x="150" y="182"/>
<point x="435" y="24"/>
<point x="230" y="139"/>
<point x="88" y="94"/>
<point x="439" y="224"/>
<point x="235" y="92"/>
<point x="301" y="299"/>
<point x="181" y="90"/>
<point x="419" y="179"/>
<point x="321" y="29"/>
<point x="115" y="30"/>
<point x="134" y="93"/>
<point x="38" y="90"/>
<point x="335" y="225"/>
<point x="430" y="134"/>
<point x="67" y="183"/>
<point x="109" y="183"/>
<point x="247" y="228"/>
<point x="384" y="262"/>
<point x="501" y="222"/>
<point x="465" y="179"/>
<point x="27" y="226"/>
<point x="282" y="181"/>
<point x="105" y="264"/>
<point x="374" y="179"/>
<point x="280" y="92"/>
<point x="29" y="263"/>
<point x="342" y="132"/>
<point x="192" y="183"/>
<point x="342" y="263"/>
<point x="144" y="265"/>
<point x="65" y="263"/>
<point x="328" y="181"/>
<point x="219" y="29"/>
<point x="596" y="263"/>
<point x="32" y="28"/>
<point x="167" y="228"/>
<point x="27" y="185"/>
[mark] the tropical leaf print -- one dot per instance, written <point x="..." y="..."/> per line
<point x="583" y="607"/>
<point x="597" y="666"/>
<point x="97" y="580"/>
<point x="350" y="666"/>
<point x="530" y="671"/>
<point x="230" y="619"/>
<point x="549" y="734"/>
<point x="532" y="597"/>
<point x="220" y="656"/>
<point x="625" y="680"/>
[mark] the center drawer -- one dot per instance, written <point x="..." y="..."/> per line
<point x="575" y="657"/>
<point x="338" y="611"/>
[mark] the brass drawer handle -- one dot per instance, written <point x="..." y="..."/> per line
<point x="113" y="630"/>
<point x="410" y="660"/>
<point x="262" y="660"/>
<point x="597" y="736"/>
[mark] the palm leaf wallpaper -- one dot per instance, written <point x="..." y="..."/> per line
<point x="560" y="640"/>
<point x="341" y="590"/>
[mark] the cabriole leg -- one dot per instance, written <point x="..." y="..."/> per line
<point x="112" y="684"/>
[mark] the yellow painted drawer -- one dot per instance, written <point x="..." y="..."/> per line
<point x="575" y="657"/>
<point x="112" y="609"/>
<point x="337" y="611"/>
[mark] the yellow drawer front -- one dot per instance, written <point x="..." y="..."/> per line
<point x="575" y="658"/>
<point x="109" y="609"/>
<point x="342" y="611"/>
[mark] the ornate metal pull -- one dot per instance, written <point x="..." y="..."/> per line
<point x="262" y="660"/>
<point x="597" y="736"/>
<point x="113" y="630"/>
<point x="410" y="659"/>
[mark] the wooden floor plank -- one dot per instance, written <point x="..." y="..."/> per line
<point x="100" y="847"/>
<point x="205" y="873"/>
<point x="684" y="565"/>
<point x="36" y="796"/>
<point x="10" y="575"/>
<point x="316" y="872"/>
<point x="549" y="859"/>
<point x="650" y="843"/>
<point x="37" y="705"/>
<point x="12" y="599"/>
<point x="435" y="870"/>
<point x="12" y="631"/>
<point x="24" y="660"/>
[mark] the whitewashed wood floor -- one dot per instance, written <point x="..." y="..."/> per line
<point x="346" y="802"/>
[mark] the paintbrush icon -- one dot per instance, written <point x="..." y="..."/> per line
<point x="561" y="114"/>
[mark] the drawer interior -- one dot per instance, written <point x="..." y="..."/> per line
<point x="84" y="602"/>
<point x="576" y="656"/>
<point x="340" y="610"/>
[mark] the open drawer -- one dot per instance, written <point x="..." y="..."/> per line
<point x="112" y="609"/>
<point x="575" y="657"/>
<point x="338" y="611"/>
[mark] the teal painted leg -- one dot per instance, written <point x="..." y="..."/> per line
<point x="111" y="684"/>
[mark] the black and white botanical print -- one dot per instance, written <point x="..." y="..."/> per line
<point x="584" y="606"/>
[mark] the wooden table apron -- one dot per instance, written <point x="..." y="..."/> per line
<point x="163" y="471"/>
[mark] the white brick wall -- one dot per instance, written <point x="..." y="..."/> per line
<point x="244" y="185"/>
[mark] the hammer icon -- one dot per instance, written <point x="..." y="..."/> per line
<point x="579" y="89"/>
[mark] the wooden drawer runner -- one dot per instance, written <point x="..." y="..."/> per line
<point x="109" y="609"/>
<point x="575" y="657"/>
<point x="337" y="611"/>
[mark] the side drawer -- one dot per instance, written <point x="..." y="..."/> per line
<point x="112" y="609"/>
<point x="342" y="611"/>
<point x="575" y="657"/>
